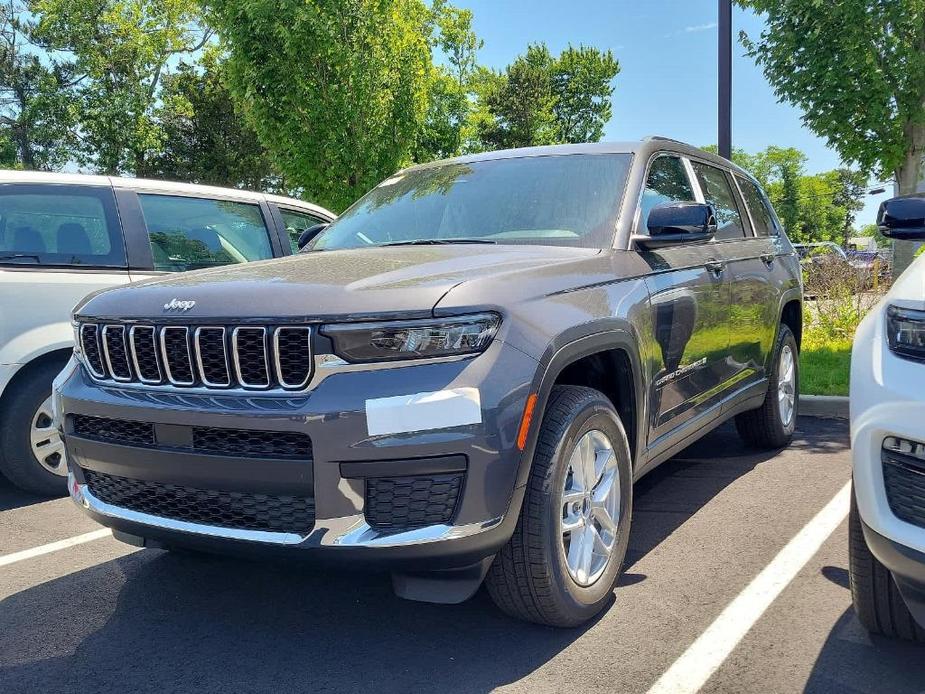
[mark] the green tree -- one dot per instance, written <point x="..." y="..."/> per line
<point x="856" y="70"/>
<point x="205" y="138"/>
<point x="121" y="50"/>
<point x="540" y="99"/>
<point x="36" y="107"/>
<point x="336" y="90"/>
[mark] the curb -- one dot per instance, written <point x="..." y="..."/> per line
<point x="827" y="406"/>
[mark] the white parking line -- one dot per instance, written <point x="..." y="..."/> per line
<point x="54" y="546"/>
<point x="695" y="666"/>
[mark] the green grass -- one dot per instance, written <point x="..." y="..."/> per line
<point x="824" y="367"/>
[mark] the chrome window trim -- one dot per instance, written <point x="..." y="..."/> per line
<point x="99" y="348"/>
<point x="202" y="373"/>
<point x="276" y="363"/>
<point x="189" y="356"/>
<point x="237" y="360"/>
<point x="128" y="361"/>
<point x="157" y="360"/>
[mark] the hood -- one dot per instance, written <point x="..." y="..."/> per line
<point x="402" y="281"/>
<point x="908" y="290"/>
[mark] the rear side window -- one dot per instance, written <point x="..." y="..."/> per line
<point x="717" y="192"/>
<point x="757" y="205"/>
<point x="189" y="233"/>
<point x="667" y="182"/>
<point x="296" y="223"/>
<point x="59" y="225"/>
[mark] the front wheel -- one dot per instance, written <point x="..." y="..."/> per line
<point x="772" y="424"/>
<point x="565" y="556"/>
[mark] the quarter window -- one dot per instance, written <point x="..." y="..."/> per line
<point x="667" y="182"/>
<point x="189" y="233"/>
<point x="717" y="192"/>
<point x="762" y="220"/>
<point x="296" y="223"/>
<point x="59" y="225"/>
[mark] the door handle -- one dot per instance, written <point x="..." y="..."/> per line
<point x="767" y="259"/>
<point x="715" y="266"/>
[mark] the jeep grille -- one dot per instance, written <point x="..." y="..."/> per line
<point x="254" y="357"/>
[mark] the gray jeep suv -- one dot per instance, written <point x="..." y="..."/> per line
<point x="459" y="379"/>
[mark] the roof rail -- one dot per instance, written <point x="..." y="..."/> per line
<point x="664" y="139"/>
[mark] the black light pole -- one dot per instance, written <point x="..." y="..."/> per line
<point x="724" y="137"/>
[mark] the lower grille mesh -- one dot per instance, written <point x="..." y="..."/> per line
<point x="119" y="431"/>
<point x="239" y="510"/>
<point x="398" y="503"/>
<point x="904" y="480"/>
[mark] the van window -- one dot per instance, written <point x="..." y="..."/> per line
<point x="59" y="225"/>
<point x="188" y="233"/>
<point x="296" y="223"/>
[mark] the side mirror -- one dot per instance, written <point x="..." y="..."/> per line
<point x="308" y="234"/>
<point x="672" y="223"/>
<point x="903" y="217"/>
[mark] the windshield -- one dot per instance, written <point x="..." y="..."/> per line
<point x="564" y="200"/>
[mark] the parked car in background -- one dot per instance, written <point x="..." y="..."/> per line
<point x="887" y="522"/>
<point x="461" y="378"/>
<point x="826" y="257"/>
<point x="64" y="236"/>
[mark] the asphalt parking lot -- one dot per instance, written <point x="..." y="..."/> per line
<point x="103" y="617"/>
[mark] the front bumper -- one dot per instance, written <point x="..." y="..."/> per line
<point x="333" y="413"/>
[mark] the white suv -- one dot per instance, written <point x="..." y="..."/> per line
<point x="887" y="522"/>
<point x="64" y="236"/>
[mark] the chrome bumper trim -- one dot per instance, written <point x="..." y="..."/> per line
<point x="348" y="531"/>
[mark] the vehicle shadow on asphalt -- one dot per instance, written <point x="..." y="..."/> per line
<point x="12" y="498"/>
<point x="158" y="621"/>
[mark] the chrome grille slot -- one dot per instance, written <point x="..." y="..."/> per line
<point x="201" y="357"/>
<point x="90" y="345"/>
<point x="115" y="349"/>
<point x="249" y="347"/>
<point x="293" y="354"/>
<point x="211" y="357"/>
<point x="176" y="353"/>
<point x="143" y="341"/>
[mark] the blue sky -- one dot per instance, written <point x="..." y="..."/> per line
<point x="667" y="82"/>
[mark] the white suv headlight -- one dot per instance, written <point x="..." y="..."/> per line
<point x="905" y="329"/>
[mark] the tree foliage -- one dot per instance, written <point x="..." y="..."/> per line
<point x="857" y="70"/>
<point x="335" y="89"/>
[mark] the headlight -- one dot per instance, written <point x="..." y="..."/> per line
<point x="905" y="329"/>
<point x="413" y="339"/>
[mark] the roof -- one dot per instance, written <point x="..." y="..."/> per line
<point x="151" y="185"/>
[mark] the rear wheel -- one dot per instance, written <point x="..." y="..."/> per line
<point x="31" y="451"/>
<point x="877" y="601"/>
<point x="772" y="424"/>
<point x="565" y="556"/>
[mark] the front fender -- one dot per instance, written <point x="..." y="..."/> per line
<point x="37" y="342"/>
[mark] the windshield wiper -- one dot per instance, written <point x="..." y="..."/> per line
<point x="20" y="256"/>
<point x="435" y="242"/>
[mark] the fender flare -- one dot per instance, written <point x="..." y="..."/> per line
<point x="572" y="345"/>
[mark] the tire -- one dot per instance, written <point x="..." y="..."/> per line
<point x="530" y="578"/>
<point x="877" y="601"/>
<point x="765" y="427"/>
<point x="20" y="408"/>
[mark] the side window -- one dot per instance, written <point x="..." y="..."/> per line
<point x="758" y="206"/>
<point x="59" y="225"/>
<point x="189" y="233"/>
<point x="296" y="223"/>
<point x="716" y="191"/>
<point x="667" y="182"/>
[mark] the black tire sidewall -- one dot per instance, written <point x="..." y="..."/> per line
<point x="576" y="599"/>
<point x="16" y="458"/>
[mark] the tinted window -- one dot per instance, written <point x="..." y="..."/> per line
<point x="667" y="182"/>
<point x="189" y="233"/>
<point x="59" y="225"/>
<point x="716" y="191"/>
<point x="296" y="223"/>
<point x="565" y="200"/>
<point x="758" y="207"/>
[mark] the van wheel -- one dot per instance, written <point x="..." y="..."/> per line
<point x="772" y="424"/>
<point x="565" y="556"/>
<point x="31" y="451"/>
<point x="877" y="601"/>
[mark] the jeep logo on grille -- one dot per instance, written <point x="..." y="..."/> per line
<point x="179" y="305"/>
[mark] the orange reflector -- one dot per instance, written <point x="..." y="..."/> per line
<point x="525" y="421"/>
